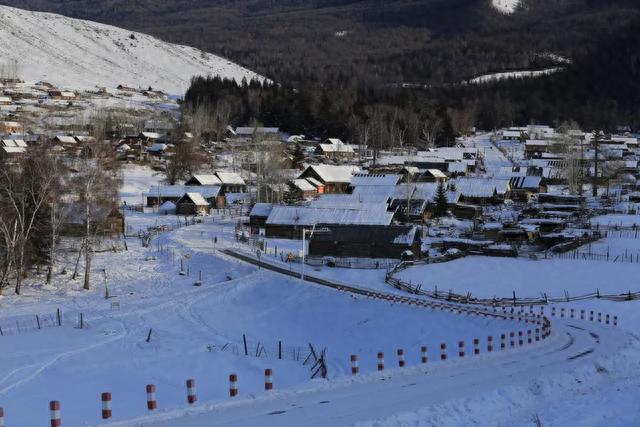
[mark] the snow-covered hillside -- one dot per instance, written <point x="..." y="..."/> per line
<point x="82" y="54"/>
<point x="506" y="6"/>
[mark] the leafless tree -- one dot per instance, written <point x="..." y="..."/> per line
<point x="24" y="190"/>
<point x="96" y="191"/>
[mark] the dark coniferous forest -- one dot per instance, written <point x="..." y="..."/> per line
<point x="393" y="70"/>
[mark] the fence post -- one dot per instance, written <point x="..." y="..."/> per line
<point x="476" y="346"/>
<point x="460" y="348"/>
<point x="512" y="339"/>
<point x="401" y="358"/>
<point x="520" y="338"/>
<point x="503" y="341"/>
<point x="489" y="343"/>
<point x="59" y="316"/>
<point x="244" y="341"/>
<point x="280" y="350"/>
<point x="443" y="351"/>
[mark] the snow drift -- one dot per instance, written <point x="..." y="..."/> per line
<point x="80" y="54"/>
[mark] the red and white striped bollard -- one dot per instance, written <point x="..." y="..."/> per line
<point x="400" y="358"/>
<point x="54" y="408"/>
<point x="191" y="391"/>
<point x="151" y="397"/>
<point x="268" y="379"/>
<point x="354" y="365"/>
<point x="443" y="351"/>
<point x="424" y="358"/>
<point x="106" y="406"/>
<point x="233" y="385"/>
<point x="460" y="348"/>
<point x="380" y="361"/>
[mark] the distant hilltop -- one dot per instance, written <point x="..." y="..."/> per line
<point x="82" y="54"/>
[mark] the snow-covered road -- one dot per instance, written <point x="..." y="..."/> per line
<point x="455" y="386"/>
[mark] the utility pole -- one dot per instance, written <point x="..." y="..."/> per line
<point x="596" y="140"/>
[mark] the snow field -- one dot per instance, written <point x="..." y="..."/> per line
<point x="190" y="325"/>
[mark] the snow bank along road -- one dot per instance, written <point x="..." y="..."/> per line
<point x="575" y="350"/>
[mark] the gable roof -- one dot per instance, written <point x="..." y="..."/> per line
<point x="195" y="198"/>
<point x="179" y="190"/>
<point x="481" y="187"/>
<point x="309" y="216"/>
<point x="333" y="173"/>
<point x="206" y="179"/>
<point x="231" y="178"/>
<point x="303" y="185"/>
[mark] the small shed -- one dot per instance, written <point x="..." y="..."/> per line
<point x="192" y="204"/>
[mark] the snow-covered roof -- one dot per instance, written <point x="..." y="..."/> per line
<point x="481" y="187"/>
<point x="157" y="147"/>
<point x="309" y="216"/>
<point x="314" y="182"/>
<point x="248" y="130"/>
<point x="13" y="150"/>
<point x="373" y="193"/>
<point x="232" y="178"/>
<point x="436" y="173"/>
<point x="360" y="179"/>
<point x="180" y="190"/>
<point x="167" y="206"/>
<point x="150" y="135"/>
<point x="261" y="209"/>
<point x="207" y="179"/>
<point x="344" y="201"/>
<point x="196" y="198"/>
<point x="423" y="191"/>
<point x="334" y="145"/>
<point x="303" y="185"/>
<point x="66" y="139"/>
<point x="332" y="173"/>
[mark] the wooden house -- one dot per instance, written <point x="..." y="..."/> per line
<point x="334" y="179"/>
<point x="288" y="221"/>
<point x="192" y="204"/>
<point x="364" y="241"/>
<point x="258" y="216"/>
<point x="334" y="149"/>
<point x="160" y="194"/>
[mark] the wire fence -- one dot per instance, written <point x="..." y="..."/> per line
<point x="28" y="323"/>
<point x="627" y="257"/>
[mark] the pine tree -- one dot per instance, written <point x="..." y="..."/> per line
<point x="441" y="200"/>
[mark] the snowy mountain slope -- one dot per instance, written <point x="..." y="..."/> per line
<point x="81" y="54"/>
<point x="506" y="6"/>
